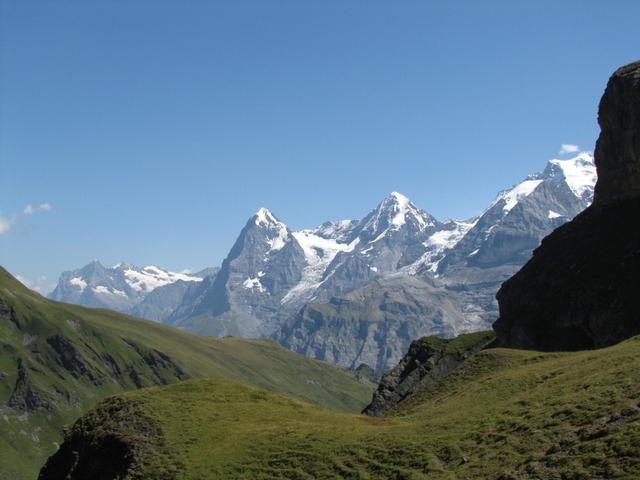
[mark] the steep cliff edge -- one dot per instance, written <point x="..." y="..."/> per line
<point x="429" y="359"/>
<point x="580" y="289"/>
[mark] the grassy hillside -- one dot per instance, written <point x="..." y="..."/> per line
<point x="57" y="360"/>
<point x="504" y="414"/>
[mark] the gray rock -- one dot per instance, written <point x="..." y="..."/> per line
<point x="245" y="298"/>
<point x="428" y="360"/>
<point x="374" y="324"/>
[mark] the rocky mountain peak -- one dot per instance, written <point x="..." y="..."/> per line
<point x="264" y="217"/>
<point x="93" y="265"/>
<point x="579" y="173"/>
<point x="274" y="232"/>
<point x="394" y="212"/>
<point x="618" y="147"/>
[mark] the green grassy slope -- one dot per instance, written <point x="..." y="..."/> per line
<point x="56" y="360"/>
<point x="504" y="414"/>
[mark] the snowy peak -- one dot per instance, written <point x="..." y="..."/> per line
<point x="264" y="217"/>
<point x="579" y="173"/>
<point x="150" y="277"/>
<point x="401" y="206"/>
<point x="276" y="234"/>
<point x="393" y="213"/>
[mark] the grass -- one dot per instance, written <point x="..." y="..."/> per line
<point x="102" y="353"/>
<point x="504" y="414"/>
<point x="460" y="344"/>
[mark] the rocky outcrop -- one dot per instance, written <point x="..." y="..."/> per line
<point x="618" y="147"/>
<point x="25" y="396"/>
<point x="580" y="289"/>
<point x="429" y="359"/>
<point x="109" y="442"/>
<point x="69" y="358"/>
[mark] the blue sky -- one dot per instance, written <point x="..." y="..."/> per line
<point x="149" y="131"/>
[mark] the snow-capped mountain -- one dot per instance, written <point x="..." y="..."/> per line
<point x="272" y="271"/>
<point x="121" y="287"/>
<point x="353" y="290"/>
<point x="519" y="217"/>
<point x="450" y="288"/>
<point x="265" y="262"/>
<point x="388" y="238"/>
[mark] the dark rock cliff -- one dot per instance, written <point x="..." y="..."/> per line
<point x="429" y="359"/>
<point x="617" y="153"/>
<point x="580" y="289"/>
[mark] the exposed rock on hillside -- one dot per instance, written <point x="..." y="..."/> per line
<point x="429" y="359"/>
<point x="376" y="323"/>
<point x="107" y="443"/>
<point x="580" y="289"/>
<point x="25" y="396"/>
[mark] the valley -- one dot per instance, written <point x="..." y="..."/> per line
<point x="57" y="360"/>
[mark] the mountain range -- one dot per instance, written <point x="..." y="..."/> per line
<point x="353" y="291"/>
<point x="551" y="393"/>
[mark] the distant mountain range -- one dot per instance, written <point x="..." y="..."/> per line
<point x="150" y="292"/>
<point x="353" y="291"/>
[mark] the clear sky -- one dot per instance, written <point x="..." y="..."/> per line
<point x="149" y="131"/>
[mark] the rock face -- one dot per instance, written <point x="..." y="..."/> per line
<point x="246" y="296"/>
<point x="107" y="443"/>
<point x="376" y="323"/>
<point x="580" y="289"/>
<point x="618" y="147"/>
<point x="429" y="359"/>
